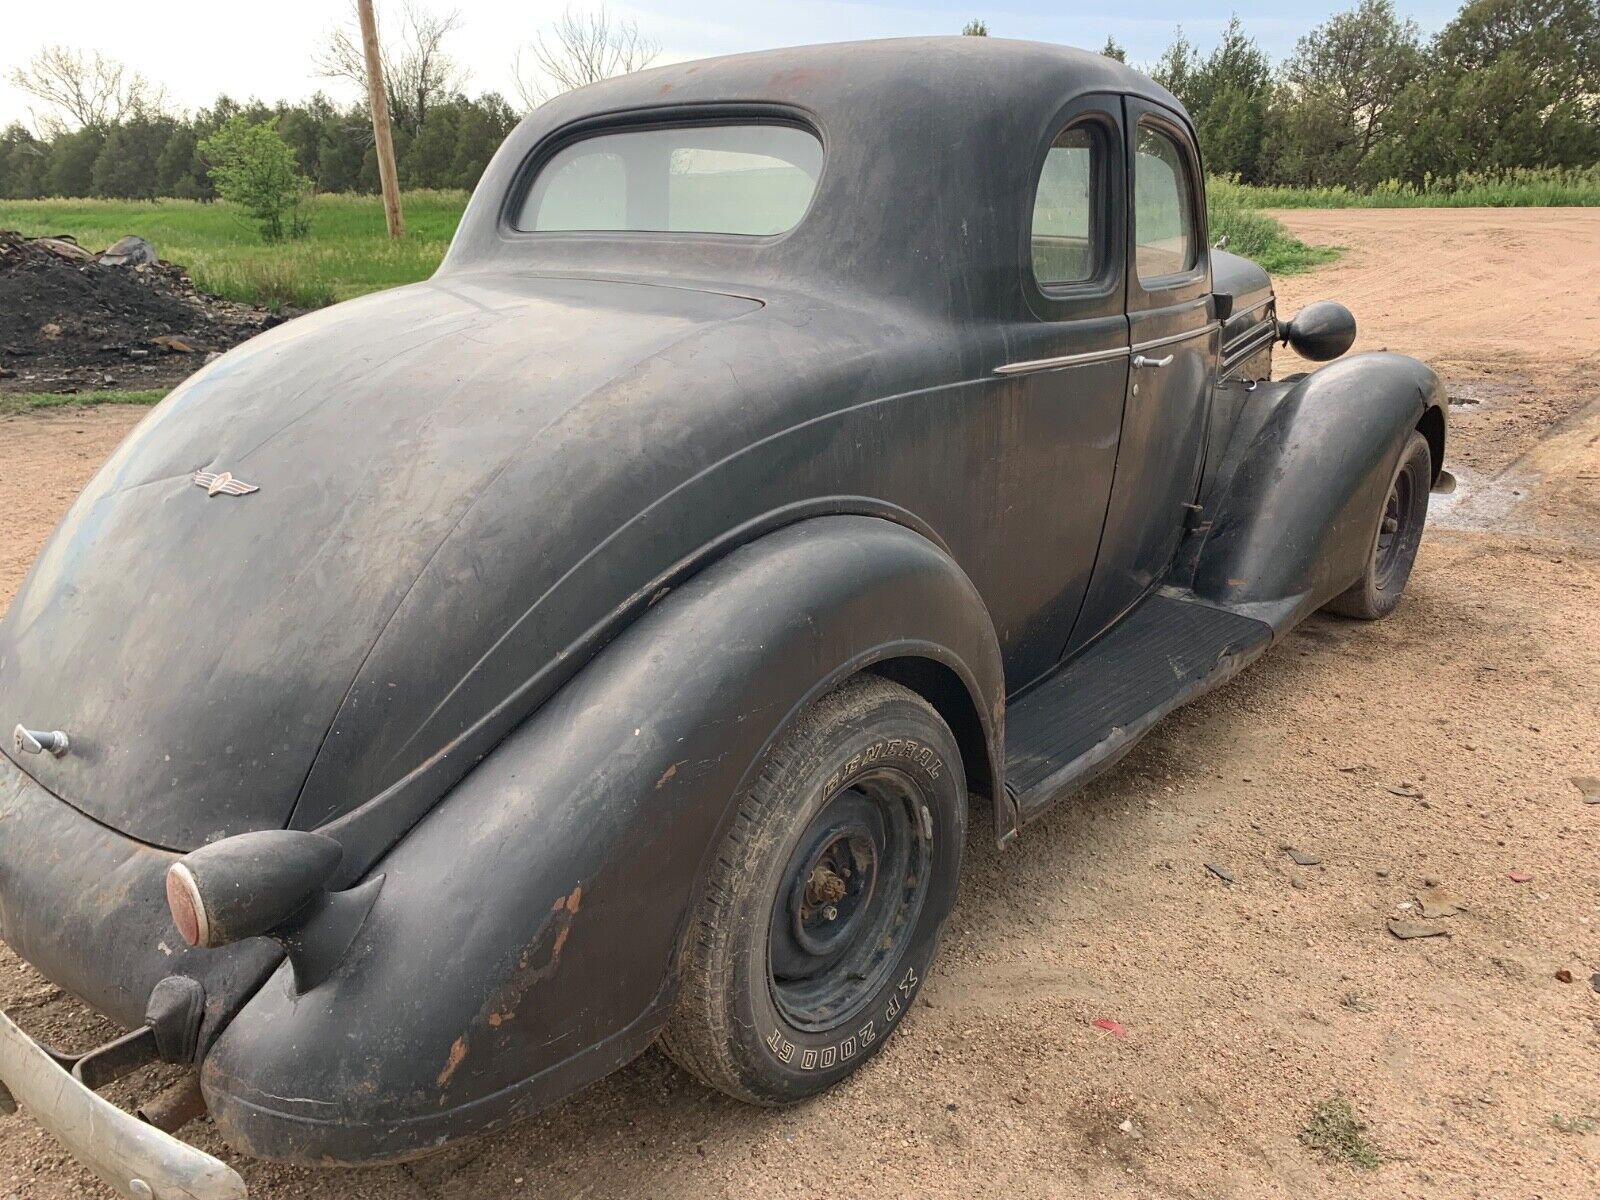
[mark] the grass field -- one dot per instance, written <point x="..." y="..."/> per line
<point x="1552" y="188"/>
<point x="348" y="252"/>
<point x="19" y="402"/>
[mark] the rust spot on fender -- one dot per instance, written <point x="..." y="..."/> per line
<point x="458" y="1051"/>
<point x="502" y="1006"/>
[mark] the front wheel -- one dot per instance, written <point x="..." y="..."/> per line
<point x="1394" y="548"/>
<point x="826" y="899"/>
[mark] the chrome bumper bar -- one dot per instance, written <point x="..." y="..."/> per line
<point x="137" y="1160"/>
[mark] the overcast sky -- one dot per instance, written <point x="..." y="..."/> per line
<point x="200" y="48"/>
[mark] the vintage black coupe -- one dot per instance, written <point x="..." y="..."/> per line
<point x="447" y="695"/>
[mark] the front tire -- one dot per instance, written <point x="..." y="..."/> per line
<point x="1394" y="546"/>
<point x="826" y="900"/>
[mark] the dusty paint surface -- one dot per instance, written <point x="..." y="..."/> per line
<point x="1243" y="1006"/>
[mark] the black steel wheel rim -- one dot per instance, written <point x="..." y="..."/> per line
<point x="848" y="901"/>
<point x="1395" y="533"/>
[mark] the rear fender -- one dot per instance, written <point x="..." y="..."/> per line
<point x="1292" y="508"/>
<point x="524" y="939"/>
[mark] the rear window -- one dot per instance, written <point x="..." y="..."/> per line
<point x="742" y="179"/>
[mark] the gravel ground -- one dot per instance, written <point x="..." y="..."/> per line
<point x="1438" y="745"/>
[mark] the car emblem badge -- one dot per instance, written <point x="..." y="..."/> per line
<point x="224" y="483"/>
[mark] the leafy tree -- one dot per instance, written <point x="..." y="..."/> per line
<point x="253" y="167"/>
<point x="23" y="162"/>
<point x="1112" y="50"/>
<point x="72" y="155"/>
<point x="127" y="166"/>
<point x="1177" y="64"/>
<point x="179" y="171"/>
<point x="340" y="150"/>
<point x="1340" y="88"/>
<point x="975" y="28"/>
<point x="1228" y="94"/>
<point x="1510" y="83"/>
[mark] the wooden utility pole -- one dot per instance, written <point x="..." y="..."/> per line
<point x="379" y="99"/>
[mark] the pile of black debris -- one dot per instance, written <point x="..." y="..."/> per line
<point x="72" y="320"/>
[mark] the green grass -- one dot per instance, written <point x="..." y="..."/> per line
<point x="12" y="403"/>
<point x="1550" y="187"/>
<point x="1256" y="235"/>
<point x="348" y="252"/>
<point x="1336" y="1131"/>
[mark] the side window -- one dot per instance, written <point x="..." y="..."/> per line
<point x="1065" y="245"/>
<point x="1163" y="207"/>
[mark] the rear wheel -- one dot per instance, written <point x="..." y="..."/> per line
<point x="826" y="900"/>
<point x="1394" y="549"/>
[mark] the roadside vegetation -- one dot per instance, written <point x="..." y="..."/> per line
<point x="1256" y="235"/>
<point x="12" y="403"/>
<point x="1523" y="187"/>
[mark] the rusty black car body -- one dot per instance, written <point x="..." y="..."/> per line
<point x="547" y="551"/>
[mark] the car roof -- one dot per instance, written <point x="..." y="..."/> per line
<point x="963" y="76"/>
<point x="932" y="154"/>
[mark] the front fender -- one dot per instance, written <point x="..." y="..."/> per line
<point x="524" y="938"/>
<point x="1292" y="512"/>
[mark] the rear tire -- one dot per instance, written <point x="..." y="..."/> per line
<point x="825" y="903"/>
<point x="1394" y="545"/>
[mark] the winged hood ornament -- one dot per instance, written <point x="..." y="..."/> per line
<point x="224" y="483"/>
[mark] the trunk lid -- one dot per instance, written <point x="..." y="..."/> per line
<point x="196" y="647"/>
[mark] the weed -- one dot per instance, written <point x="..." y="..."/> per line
<point x="1338" y="1133"/>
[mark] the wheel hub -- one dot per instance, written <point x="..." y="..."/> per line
<point x="848" y="901"/>
<point x="1393" y="531"/>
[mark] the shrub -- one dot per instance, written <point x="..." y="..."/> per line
<point x="252" y="167"/>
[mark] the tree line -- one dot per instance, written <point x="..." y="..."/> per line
<point x="103" y="130"/>
<point x="1363" y="99"/>
<point x="146" y="155"/>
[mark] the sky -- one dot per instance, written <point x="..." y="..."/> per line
<point x="199" y="49"/>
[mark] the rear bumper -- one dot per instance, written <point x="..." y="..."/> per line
<point x="136" y="1160"/>
<point x="87" y="907"/>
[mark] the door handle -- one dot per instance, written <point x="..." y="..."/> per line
<point x="1140" y="360"/>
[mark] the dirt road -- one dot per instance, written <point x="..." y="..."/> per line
<point x="1437" y="745"/>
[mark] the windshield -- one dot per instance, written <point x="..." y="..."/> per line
<point x="742" y="179"/>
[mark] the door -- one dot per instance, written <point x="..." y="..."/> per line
<point x="1174" y="351"/>
<point x="1056" y="398"/>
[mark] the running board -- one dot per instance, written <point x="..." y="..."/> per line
<point x="1094" y="710"/>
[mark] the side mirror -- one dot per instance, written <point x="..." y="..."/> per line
<point x="1320" y="331"/>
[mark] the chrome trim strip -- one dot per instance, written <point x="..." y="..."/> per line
<point x="1094" y="356"/>
<point x="1174" y="339"/>
<point x="1065" y="360"/>
<point x="136" y="1160"/>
